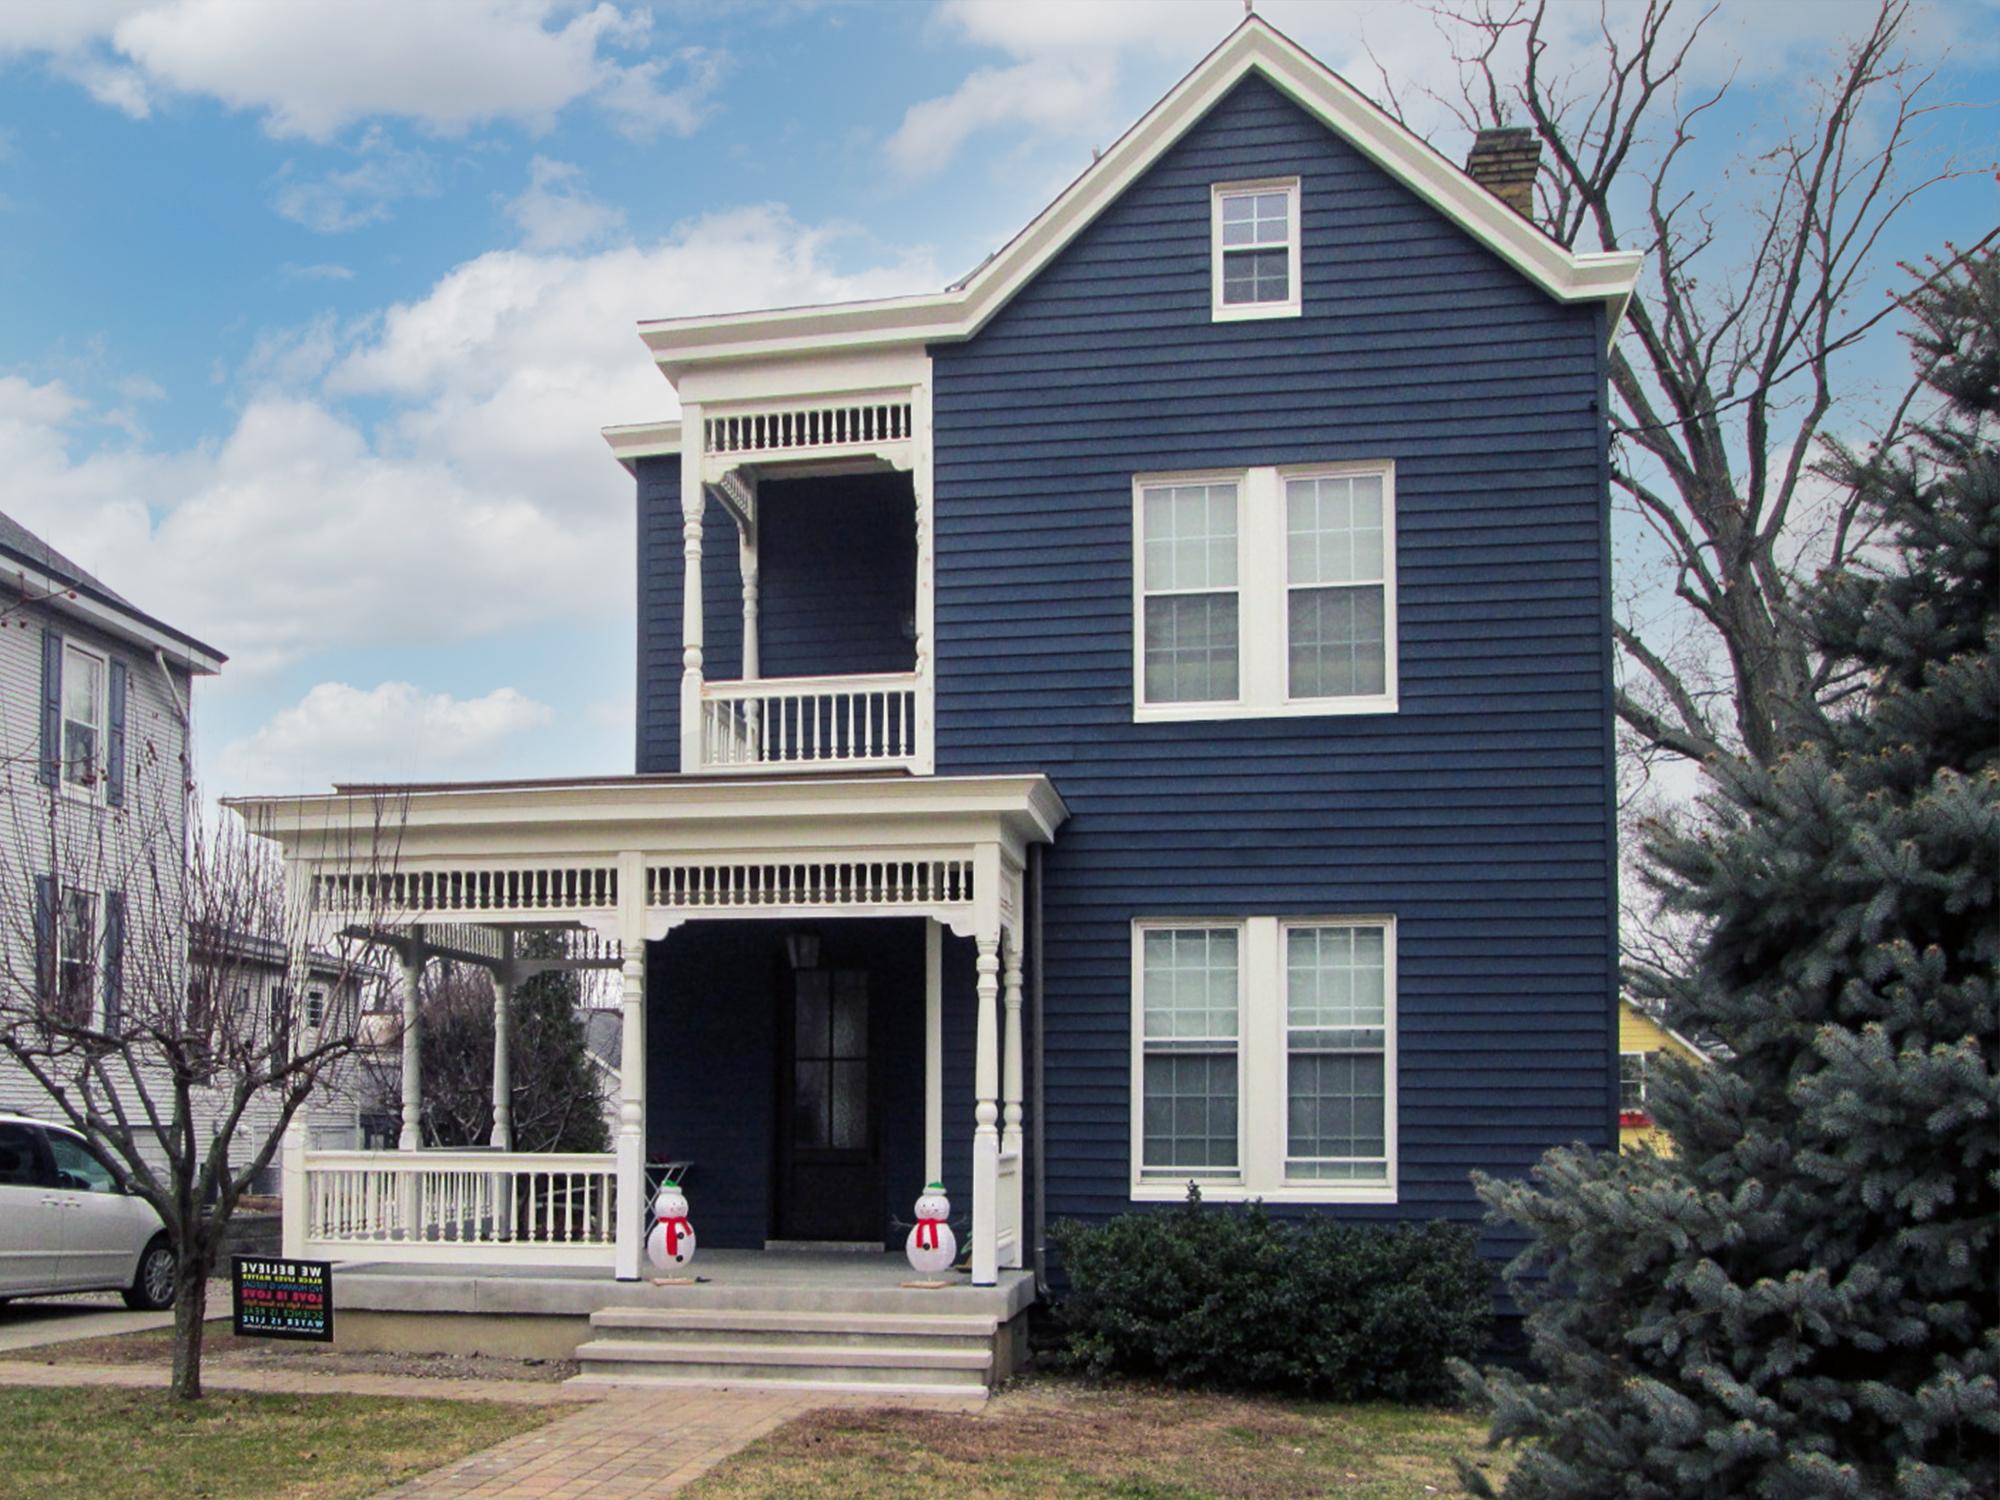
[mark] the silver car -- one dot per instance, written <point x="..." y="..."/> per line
<point x="66" y="1227"/>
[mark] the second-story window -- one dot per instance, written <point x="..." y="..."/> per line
<point x="1188" y="577"/>
<point x="1265" y="591"/>
<point x="1255" y="230"/>
<point x="76" y="952"/>
<point x="82" y="718"/>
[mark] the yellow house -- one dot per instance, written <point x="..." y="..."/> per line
<point x="1641" y="1040"/>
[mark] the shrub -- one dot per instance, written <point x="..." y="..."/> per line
<point x="1240" y="1300"/>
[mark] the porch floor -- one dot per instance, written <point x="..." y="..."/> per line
<point x="776" y="1281"/>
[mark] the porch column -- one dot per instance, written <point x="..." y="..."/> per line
<point x="746" y="557"/>
<point x="502" y="1137"/>
<point x="630" y="1229"/>
<point x="413" y="1092"/>
<point x="986" y="1116"/>
<point x="1010" y="1093"/>
<point x="693" y="496"/>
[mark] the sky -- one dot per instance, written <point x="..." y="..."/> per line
<point x="311" y="312"/>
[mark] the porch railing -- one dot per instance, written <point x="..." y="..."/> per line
<point x="811" y="723"/>
<point x="473" y="1207"/>
<point x="1011" y="1248"/>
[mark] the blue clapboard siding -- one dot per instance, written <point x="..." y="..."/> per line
<point x="837" y="580"/>
<point x="1480" y="814"/>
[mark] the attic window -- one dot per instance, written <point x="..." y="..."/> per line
<point x="1255" y="234"/>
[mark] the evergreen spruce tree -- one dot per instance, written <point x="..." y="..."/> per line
<point x="1804" y="1299"/>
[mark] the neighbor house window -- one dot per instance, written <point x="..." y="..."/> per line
<point x="1255" y="231"/>
<point x="1188" y="580"/>
<point x="83" y="714"/>
<point x="1189" y="979"/>
<point x="1632" y="1083"/>
<point x="1264" y="1059"/>
<point x="76" y="952"/>
<point x="315" y="1008"/>
<point x="1265" y="591"/>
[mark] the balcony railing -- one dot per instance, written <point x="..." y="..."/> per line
<point x="811" y="723"/>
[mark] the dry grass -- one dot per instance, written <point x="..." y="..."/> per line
<point x="108" y="1444"/>
<point x="222" y="1350"/>
<point x="1051" y="1438"/>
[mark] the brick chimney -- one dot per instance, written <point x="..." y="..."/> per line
<point x="1504" y="162"/>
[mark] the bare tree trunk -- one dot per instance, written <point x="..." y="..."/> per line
<point x="190" y="1316"/>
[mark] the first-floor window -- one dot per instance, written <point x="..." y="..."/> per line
<point x="1188" y="998"/>
<point x="1265" y="1058"/>
<point x="1632" y="1082"/>
<point x="76" y="950"/>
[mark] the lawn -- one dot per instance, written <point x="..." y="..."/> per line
<point x="109" y="1444"/>
<point x="1052" y="1438"/>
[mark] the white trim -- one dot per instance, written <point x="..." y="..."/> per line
<point x="1294" y="303"/>
<point x="1263" y="1045"/>
<point x="960" y="312"/>
<point x="633" y="441"/>
<point x="1263" y="592"/>
<point x="933" y="1051"/>
<point x="66" y="599"/>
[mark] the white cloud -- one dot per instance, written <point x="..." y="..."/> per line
<point x="310" y="68"/>
<point x="482" y="500"/>
<point x="1050" y="95"/>
<point x="556" y="212"/>
<point x="392" y="732"/>
<point x="362" y="194"/>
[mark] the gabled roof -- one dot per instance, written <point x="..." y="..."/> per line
<point x="26" y="558"/>
<point x="1255" y="46"/>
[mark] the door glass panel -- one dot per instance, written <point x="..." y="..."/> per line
<point x="809" y="1103"/>
<point x="77" y="1169"/>
<point x="812" y="1018"/>
<point x="850" y="1106"/>
<point x="850" y="1015"/>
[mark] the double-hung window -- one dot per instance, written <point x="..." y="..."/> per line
<point x="83" y="715"/>
<point x="1265" y="591"/>
<point x="1264" y="1058"/>
<point x="1631" y="1083"/>
<point x="1254" y="228"/>
<point x="1188" y="562"/>
<point x="76" y="955"/>
<point x="1189" y="1027"/>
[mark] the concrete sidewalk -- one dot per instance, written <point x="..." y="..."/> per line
<point x="33" y="1323"/>
<point x="17" y="1372"/>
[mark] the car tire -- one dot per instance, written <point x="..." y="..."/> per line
<point x="152" y="1288"/>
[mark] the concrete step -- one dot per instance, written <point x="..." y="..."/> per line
<point x="880" y="1363"/>
<point x="760" y="1326"/>
<point x="971" y="1395"/>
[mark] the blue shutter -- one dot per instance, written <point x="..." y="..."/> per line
<point x="52" y="656"/>
<point x="45" y="938"/>
<point x="114" y="739"/>
<point x="114" y="960"/>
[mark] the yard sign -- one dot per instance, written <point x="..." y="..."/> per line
<point x="283" y="1299"/>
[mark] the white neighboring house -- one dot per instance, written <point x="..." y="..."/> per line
<point x="95" y="720"/>
<point x="604" y="1045"/>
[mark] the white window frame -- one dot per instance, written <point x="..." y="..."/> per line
<point x="98" y="787"/>
<point x="1645" y="1080"/>
<point x="1263" y="1063"/>
<point x="1263" y="596"/>
<point x="1294" y="304"/>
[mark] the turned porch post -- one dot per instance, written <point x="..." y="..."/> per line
<point x="502" y="1137"/>
<point x="986" y="1118"/>
<point x="1010" y="1089"/>
<point x="693" y="496"/>
<point x="410" y="1137"/>
<point x="629" y="1248"/>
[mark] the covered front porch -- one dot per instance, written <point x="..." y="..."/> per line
<point x="795" y="958"/>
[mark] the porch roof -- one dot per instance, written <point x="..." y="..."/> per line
<point x="631" y="855"/>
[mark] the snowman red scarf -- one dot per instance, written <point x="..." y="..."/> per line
<point x="927" y="1233"/>
<point x="676" y="1227"/>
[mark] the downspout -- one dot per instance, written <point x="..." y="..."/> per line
<point x="1038" y="1135"/>
<point x="182" y="710"/>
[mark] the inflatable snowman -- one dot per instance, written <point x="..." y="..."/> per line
<point x="932" y="1247"/>
<point x="671" y="1244"/>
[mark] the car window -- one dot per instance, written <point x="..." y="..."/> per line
<point x="18" y="1167"/>
<point x="76" y="1169"/>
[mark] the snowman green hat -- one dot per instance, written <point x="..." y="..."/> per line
<point x="933" y="1187"/>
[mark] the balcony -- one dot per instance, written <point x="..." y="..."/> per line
<point x="864" y="722"/>
<point x="823" y="524"/>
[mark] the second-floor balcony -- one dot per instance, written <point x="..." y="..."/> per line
<point x="826" y="668"/>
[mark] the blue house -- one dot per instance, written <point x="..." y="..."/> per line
<point x="1139" y="716"/>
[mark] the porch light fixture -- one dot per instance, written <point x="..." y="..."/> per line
<point x="802" y="950"/>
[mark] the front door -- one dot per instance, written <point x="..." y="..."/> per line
<point x="829" y="1184"/>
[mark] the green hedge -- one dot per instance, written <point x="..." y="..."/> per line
<point x="1237" y="1299"/>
